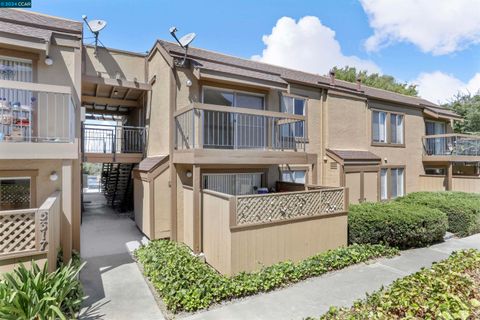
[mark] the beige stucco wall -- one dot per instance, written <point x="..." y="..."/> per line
<point x="44" y="186"/>
<point x="110" y="62"/>
<point x="161" y="204"/>
<point x="349" y="127"/>
<point x="141" y="194"/>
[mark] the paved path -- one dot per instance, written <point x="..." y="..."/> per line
<point x="114" y="285"/>
<point x="314" y="296"/>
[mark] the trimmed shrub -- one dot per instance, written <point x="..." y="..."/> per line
<point x="186" y="283"/>
<point x="462" y="209"/>
<point x="449" y="290"/>
<point x="396" y="224"/>
<point x="35" y="293"/>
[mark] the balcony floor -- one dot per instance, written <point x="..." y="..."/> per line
<point x="222" y="156"/>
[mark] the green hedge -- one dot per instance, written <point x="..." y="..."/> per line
<point x="449" y="290"/>
<point x="396" y="224"/>
<point x="186" y="283"/>
<point x="462" y="209"/>
<point x="34" y="293"/>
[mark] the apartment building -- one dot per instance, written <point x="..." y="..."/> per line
<point x="246" y="163"/>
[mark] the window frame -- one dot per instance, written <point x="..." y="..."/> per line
<point x="305" y="111"/>
<point x="388" y="125"/>
<point x="235" y="92"/>
<point x="24" y="174"/>
<point x="389" y="181"/>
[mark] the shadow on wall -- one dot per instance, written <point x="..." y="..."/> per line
<point x="105" y="58"/>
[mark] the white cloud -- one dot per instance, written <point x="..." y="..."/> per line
<point x="440" y="87"/>
<point x="307" y="45"/>
<point x="435" y="26"/>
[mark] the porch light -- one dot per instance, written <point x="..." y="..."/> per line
<point x="53" y="176"/>
<point x="189" y="174"/>
<point x="188" y="83"/>
<point x="48" y="61"/>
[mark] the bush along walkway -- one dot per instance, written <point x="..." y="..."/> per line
<point x="314" y="296"/>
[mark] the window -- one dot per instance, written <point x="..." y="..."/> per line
<point x="379" y="126"/>
<point x="435" y="171"/>
<point x="15" y="193"/>
<point x="294" y="105"/>
<point x="229" y="98"/>
<point x="396" y="128"/>
<point x="233" y="183"/>
<point x="387" y="128"/>
<point x="392" y="183"/>
<point x="297" y="176"/>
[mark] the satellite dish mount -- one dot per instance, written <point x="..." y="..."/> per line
<point x="95" y="27"/>
<point x="184" y="42"/>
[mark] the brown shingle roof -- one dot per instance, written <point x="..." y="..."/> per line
<point x="249" y="68"/>
<point x="151" y="163"/>
<point x="351" y="155"/>
<point x="40" y="20"/>
<point x="23" y="30"/>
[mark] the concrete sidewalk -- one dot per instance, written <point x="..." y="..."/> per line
<point x="113" y="284"/>
<point x="314" y="296"/>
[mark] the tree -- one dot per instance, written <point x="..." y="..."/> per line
<point x="375" y="80"/>
<point x="467" y="106"/>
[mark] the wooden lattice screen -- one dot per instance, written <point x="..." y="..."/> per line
<point x="14" y="196"/>
<point x="282" y="206"/>
<point x="17" y="232"/>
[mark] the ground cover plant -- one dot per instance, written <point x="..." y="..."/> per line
<point x="448" y="290"/>
<point x="462" y="209"/>
<point x="34" y="293"/>
<point x="186" y="283"/>
<point x="398" y="224"/>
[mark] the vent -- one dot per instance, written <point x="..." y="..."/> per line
<point x="333" y="165"/>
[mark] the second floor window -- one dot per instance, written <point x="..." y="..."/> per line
<point x="387" y="127"/>
<point x="233" y="99"/>
<point x="295" y="105"/>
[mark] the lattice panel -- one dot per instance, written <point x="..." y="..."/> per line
<point x="283" y="206"/>
<point x="14" y="196"/>
<point x="17" y="232"/>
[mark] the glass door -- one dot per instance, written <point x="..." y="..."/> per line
<point x="436" y="146"/>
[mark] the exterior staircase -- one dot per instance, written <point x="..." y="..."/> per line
<point x="117" y="185"/>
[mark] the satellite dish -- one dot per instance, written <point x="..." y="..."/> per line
<point x="97" y="25"/>
<point x="187" y="39"/>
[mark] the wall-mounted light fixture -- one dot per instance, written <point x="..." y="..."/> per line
<point x="188" y="83"/>
<point x="53" y="176"/>
<point x="189" y="174"/>
<point x="48" y="61"/>
<point x="385" y="159"/>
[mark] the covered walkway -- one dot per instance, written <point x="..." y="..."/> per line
<point x="113" y="284"/>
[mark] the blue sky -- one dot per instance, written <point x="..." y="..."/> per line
<point x="237" y="27"/>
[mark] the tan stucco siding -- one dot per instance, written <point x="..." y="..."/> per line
<point x="162" y="204"/>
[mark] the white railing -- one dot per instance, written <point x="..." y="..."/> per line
<point x="30" y="232"/>
<point x="203" y="126"/>
<point x="33" y="112"/>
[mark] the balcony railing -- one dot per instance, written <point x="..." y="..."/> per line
<point x="451" y="145"/>
<point x="99" y="138"/>
<point x="203" y="126"/>
<point x="33" y="112"/>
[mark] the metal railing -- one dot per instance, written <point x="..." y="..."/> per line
<point x="451" y="145"/>
<point x="33" y="112"/>
<point x="217" y="127"/>
<point x="99" y="138"/>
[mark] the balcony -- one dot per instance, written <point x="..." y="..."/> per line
<point x="33" y="115"/>
<point x="203" y="134"/>
<point x="451" y="147"/>
<point x="112" y="143"/>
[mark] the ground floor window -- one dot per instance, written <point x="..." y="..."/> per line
<point x="233" y="183"/>
<point x="15" y="193"/>
<point x="392" y="183"/>
<point x="297" y="176"/>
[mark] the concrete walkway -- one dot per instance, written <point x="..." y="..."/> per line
<point x="313" y="297"/>
<point x="113" y="284"/>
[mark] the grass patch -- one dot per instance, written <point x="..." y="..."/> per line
<point x="398" y="224"/>
<point x="449" y="290"/>
<point x="462" y="209"/>
<point x="185" y="283"/>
